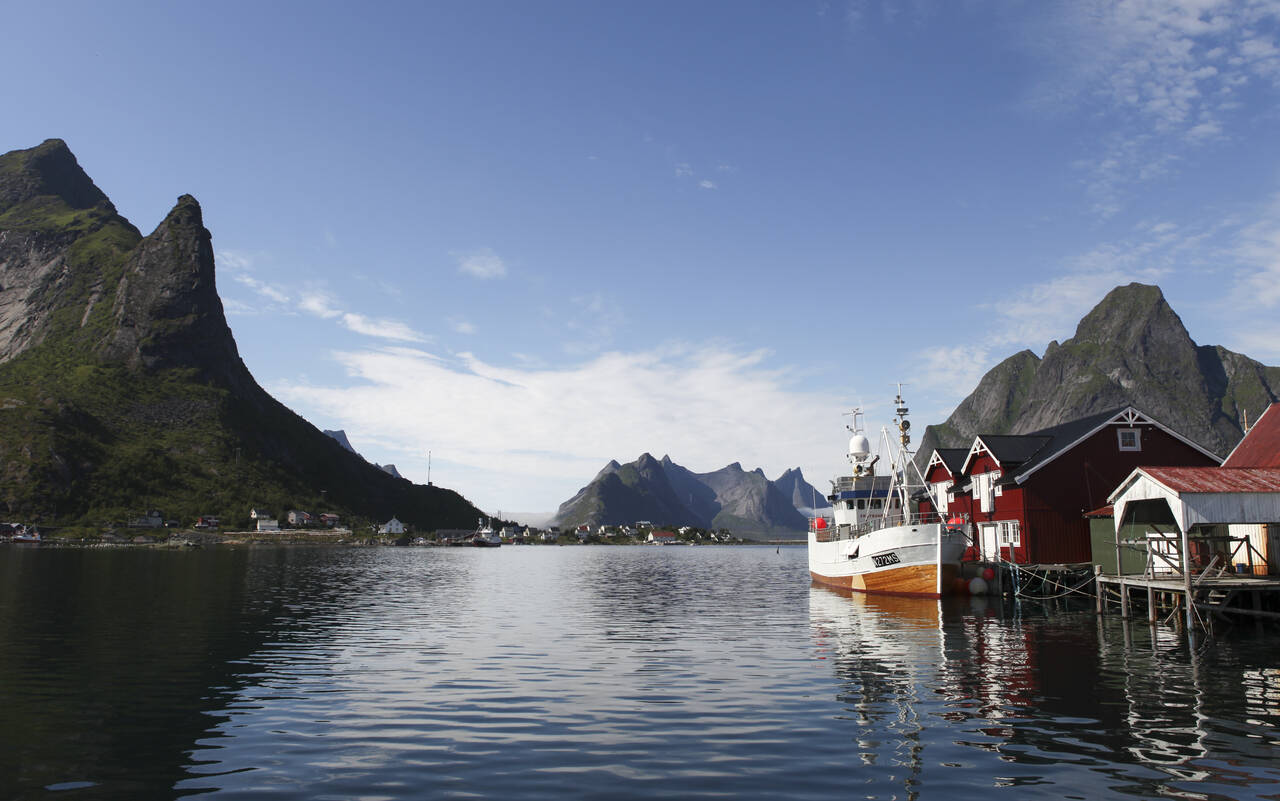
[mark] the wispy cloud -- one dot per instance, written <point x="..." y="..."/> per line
<point x="705" y="406"/>
<point x="481" y="263"/>
<point x="1164" y="76"/>
<point x="683" y="170"/>
<point x="463" y="326"/>
<point x="705" y="184"/>
<point x="264" y="289"/>
<point x="383" y="329"/>
<point x="319" y="304"/>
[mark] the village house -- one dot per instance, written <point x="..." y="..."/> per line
<point x="206" y="521"/>
<point x="329" y="519"/>
<point x="1023" y="497"/>
<point x="1224" y="517"/>
<point x="298" y="518"/>
<point x="392" y="526"/>
<point x="661" y="537"/>
<point x="258" y="512"/>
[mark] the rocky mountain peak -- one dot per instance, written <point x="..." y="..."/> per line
<point x="48" y="170"/>
<point x="1137" y="318"/>
<point x="167" y="312"/>
<point x="1131" y="349"/>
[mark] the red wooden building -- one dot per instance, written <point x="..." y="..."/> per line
<point x="1025" y="495"/>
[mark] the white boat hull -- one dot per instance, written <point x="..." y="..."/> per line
<point x="921" y="559"/>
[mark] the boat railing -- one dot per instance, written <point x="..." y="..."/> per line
<point x="830" y="532"/>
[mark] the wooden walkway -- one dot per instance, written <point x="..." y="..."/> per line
<point x="1200" y="601"/>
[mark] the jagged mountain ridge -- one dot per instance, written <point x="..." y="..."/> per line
<point x="340" y="436"/>
<point x="1131" y="349"/>
<point x="121" y="387"/>
<point x="665" y="493"/>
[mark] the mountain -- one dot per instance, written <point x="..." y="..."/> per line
<point x="340" y="437"/>
<point x="801" y="493"/>
<point x="1131" y="349"/>
<point x="666" y="493"/>
<point x="121" y="387"/>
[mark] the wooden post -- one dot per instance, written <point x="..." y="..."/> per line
<point x="1124" y="600"/>
<point x="1097" y="589"/>
<point x="1186" y="577"/>
<point x="1151" y="604"/>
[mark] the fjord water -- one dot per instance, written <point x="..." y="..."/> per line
<point x="593" y="672"/>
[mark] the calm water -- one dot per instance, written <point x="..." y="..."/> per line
<point x="593" y="672"/>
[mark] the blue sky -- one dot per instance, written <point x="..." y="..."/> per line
<point x="532" y="237"/>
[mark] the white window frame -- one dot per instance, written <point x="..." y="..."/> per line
<point x="1136" y="445"/>
<point x="995" y="482"/>
<point x="1010" y="533"/>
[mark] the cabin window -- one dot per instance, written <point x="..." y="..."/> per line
<point x="1130" y="439"/>
<point x="862" y="503"/>
<point x="1010" y="534"/>
<point x="876" y="503"/>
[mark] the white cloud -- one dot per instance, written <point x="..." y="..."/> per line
<point x="262" y="288"/>
<point x="463" y="327"/>
<point x="705" y="406"/>
<point x="1161" y="76"/>
<point x="705" y="184"/>
<point x="384" y="329"/>
<point x="1258" y="283"/>
<point x="481" y="263"/>
<point x="319" y="304"/>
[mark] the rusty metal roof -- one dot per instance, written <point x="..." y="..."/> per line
<point x="1217" y="479"/>
<point x="1261" y="446"/>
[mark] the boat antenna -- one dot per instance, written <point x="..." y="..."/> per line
<point x="901" y="421"/>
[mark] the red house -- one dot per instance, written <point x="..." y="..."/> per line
<point x="1025" y="495"/>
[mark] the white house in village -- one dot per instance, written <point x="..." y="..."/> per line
<point x="392" y="526"/>
<point x="268" y="524"/>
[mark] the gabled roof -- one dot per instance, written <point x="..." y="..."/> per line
<point x="1024" y="454"/>
<point x="951" y="458"/>
<point x="1261" y="444"/>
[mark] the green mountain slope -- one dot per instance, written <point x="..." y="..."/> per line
<point x="121" y="388"/>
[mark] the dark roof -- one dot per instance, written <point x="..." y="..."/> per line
<point x="1021" y="454"/>
<point x="1261" y="445"/>
<point x="952" y="458"/>
<point x="1011" y="450"/>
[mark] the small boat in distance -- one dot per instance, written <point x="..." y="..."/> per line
<point x="24" y="534"/>
<point x="485" y="536"/>
<point x="873" y="542"/>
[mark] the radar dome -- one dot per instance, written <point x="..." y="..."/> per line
<point x="859" y="447"/>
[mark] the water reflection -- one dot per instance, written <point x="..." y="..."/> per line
<point x="588" y="672"/>
<point x="1043" y="701"/>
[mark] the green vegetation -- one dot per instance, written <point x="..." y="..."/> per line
<point x="91" y="438"/>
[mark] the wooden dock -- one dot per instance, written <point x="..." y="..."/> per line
<point x="1194" y="601"/>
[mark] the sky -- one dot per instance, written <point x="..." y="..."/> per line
<point x="515" y="240"/>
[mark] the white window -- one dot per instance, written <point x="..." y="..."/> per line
<point x="1130" y="439"/>
<point x="1010" y="534"/>
<point x="995" y="482"/>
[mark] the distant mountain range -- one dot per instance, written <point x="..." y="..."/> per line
<point x="121" y="387"/>
<point x="665" y="493"/>
<point x="1131" y="349"/>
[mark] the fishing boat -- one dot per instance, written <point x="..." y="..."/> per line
<point x="872" y="541"/>
<point x="485" y="536"/>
